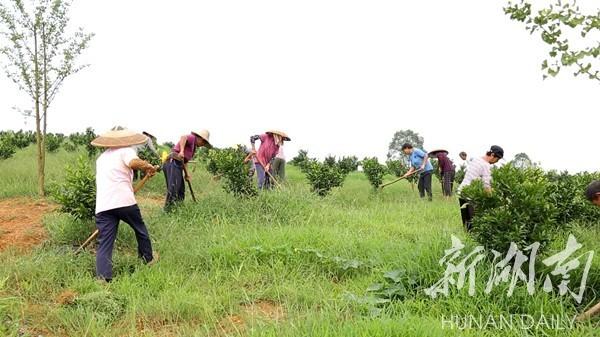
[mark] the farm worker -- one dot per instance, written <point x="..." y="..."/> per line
<point x="478" y="169"/>
<point x="175" y="168"/>
<point x="115" y="200"/>
<point x="147" y="151"/>
<point x="269" y="146"/>
<point x="592" y="192"/>
<point x="447" y="171"/>
<point x="279" y="164"/>
<point x="419" y="160"/>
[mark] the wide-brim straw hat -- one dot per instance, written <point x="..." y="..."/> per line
<point x="435" y="152"/>
<point x="204" y="134"/>
<point x="119" y="138"/>
<point x="281" y="133"/>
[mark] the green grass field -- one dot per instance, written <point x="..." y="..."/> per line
<point x="286" y="263"/>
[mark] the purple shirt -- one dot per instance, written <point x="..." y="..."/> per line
<point x="268" y="149"/>
<point x="445" y="162"/>
<point x="189" y="149"/>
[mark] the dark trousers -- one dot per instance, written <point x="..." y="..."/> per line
<point x="425" y="185"/>
<point x="173" y="170"/>
<point x="107" y="223"/>
<point x="466" y="212"/>
<point x="264" y="181"/>
<point x="447" y="183"/>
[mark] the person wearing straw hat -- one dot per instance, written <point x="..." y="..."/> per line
<point x="175" y="167"/>
<point x="270" y="142"/>
<point x="115" y="200"/>
<point x="447" y="171"/>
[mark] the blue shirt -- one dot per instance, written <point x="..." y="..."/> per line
<point x="416" y="159"/>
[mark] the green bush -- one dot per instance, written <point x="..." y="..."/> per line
<point x="374" y="171"/>
<point x="20" y="139"/>
<point x="77" y="195"/>
<point x="53" y="142"/>
<point x="301" y="159"/>
<point x="518" y="210"/>
<point x="323" y="177"/>
<point x="69" y="146"/>
<point x="330" y="161"/>
<point x="396" y="167"/>
<point x="146" y="154"/>
<point x="567" y="194"/>
<point x="229" y="163"/>
<point x="348" y="164"/>
<point x="88" y="136"/>
<point x="7" y="149"/>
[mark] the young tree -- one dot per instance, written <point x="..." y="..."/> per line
<point x="522" y="161"/>
<point x="556" y="24"/>
<point x="401" y="137"/>
<point x="39" y="55"/>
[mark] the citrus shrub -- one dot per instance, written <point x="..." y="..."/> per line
<point x="374" y="171"/>
<point x="348" y="164"/>
<point x="518" y="210"/>
<point x="53" y="142"/>
<point x="301" y="159"/>
<point x="77" y="195"/>
<point x="323" y="177"/>
<point x="7" y="149"/>
<point x="229" y="163"/>
<point x="567" y="194"/>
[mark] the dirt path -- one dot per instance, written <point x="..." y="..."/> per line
<point x="21" y="222"/>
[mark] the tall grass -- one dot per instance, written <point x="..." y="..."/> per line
<point x="221" y="254"/>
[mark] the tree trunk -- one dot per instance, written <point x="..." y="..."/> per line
<point x="38" y="132"/>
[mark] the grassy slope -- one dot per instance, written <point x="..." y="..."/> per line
<point x="221" y="253"/>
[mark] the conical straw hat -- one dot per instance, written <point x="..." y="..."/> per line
<point x="281" y="133"/>
<point x="204" y="134"/>
<point x="119" y="138"/>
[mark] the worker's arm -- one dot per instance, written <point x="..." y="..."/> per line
<point x="142" y="165"/>
<point x="425" y="161"/>
<point x="410" y="171"/>
<point x="182" y="142"/>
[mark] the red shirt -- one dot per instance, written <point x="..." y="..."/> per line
<point x="189" y="149"/>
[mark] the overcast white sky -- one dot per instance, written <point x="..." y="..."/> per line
<point x="340" y="77"/>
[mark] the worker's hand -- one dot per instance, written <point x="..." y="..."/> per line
<point x="188" y="177"/>
<point x="181" y="155"/>
<point x="268" y="167"/>
<point x="253" y="152"/>
<point x="150" y="170"/>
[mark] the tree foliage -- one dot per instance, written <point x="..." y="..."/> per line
<point x="519" y="210"/>
<point x="229" y="163"/>
<point x="348" y="164"/>
<point x="522" y="160"/>
<point x="323" y="177"/>
<point x="401" y="137"/>
<point x="77" y="195"/>
<point x="566" y="29"/>
<point x="38" y="56"/>
<point x="374" y="171"/>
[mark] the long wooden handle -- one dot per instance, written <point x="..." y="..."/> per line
<point x="397" y="180"/>
<point x="191" y="190"/>
<point x="267" y="172"/>
<point x="392" y="182"/>
<point x="595" y="310"/>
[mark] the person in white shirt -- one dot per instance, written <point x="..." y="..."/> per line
<point x="478" y="169"/>
<point x="115" y="200"/>
<point x="279" y="164"/>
